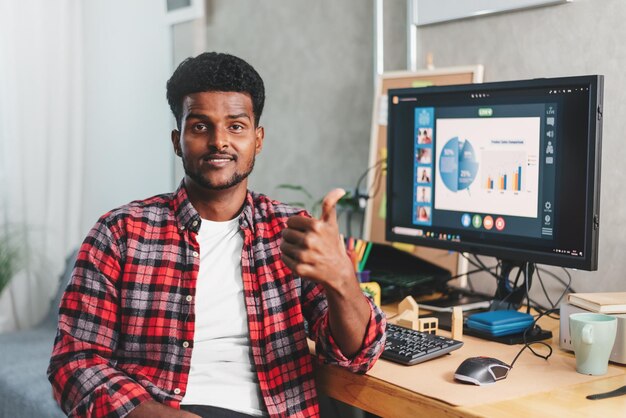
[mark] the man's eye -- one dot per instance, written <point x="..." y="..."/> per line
<point x="199" y="127"/>
<point x="237" y="127"/>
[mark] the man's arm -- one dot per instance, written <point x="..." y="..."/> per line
<point x="84" y="379"/>
<point x="314" y="250"/>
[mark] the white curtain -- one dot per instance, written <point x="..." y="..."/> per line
<point x="41" y="92"/>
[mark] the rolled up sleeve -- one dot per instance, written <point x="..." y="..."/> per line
<point x="315" y="309"/>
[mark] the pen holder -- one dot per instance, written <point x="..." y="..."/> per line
<point x="363" y="276"/>
<point x="373" y="290"/>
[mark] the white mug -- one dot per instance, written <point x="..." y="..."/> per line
<point x="593" y="336"/>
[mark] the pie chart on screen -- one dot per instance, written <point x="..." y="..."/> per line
<point x="457" y="164"/>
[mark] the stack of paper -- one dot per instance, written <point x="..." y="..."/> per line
<point x="608" y="303"/>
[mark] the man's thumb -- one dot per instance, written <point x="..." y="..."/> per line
<point x="329" y="213"/>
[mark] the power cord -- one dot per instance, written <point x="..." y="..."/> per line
<point x="363" y="198"/>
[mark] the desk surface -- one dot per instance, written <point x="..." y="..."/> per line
<point x="390" y="397"/>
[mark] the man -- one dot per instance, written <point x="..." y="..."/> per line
<point x="202" y="299"/>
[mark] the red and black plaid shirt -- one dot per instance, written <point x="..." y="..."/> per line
<point x="126" y="321"/>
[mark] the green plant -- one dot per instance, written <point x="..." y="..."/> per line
<point x="11" y="257"/>
<point x="347" y="202"/>
<point x="299" y="190"/>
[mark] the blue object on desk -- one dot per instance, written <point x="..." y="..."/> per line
<point x="498" y="323"/>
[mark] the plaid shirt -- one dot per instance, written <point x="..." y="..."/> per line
<point x="126" y="321"/>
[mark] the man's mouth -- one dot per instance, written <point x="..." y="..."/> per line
<point x="218" y="158"/>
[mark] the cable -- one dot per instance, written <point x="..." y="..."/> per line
<point x="526" y="280"/>
<point x="478" y="270"/>
<point x="545" y="292"/>
<point x="358" y="183"/>
<point x="529" y="345"/>
<point x="567" y="285"/>
<point x="479" y="263"/>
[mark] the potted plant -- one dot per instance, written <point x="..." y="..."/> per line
<point x="11" y="260"/>
<point x="347" y="205"/>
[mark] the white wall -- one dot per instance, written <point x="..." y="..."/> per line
<point x="127" y="122"/>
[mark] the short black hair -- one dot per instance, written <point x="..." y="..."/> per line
<point x="215" y="71"/>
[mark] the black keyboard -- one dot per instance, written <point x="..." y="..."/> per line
<point x="407" y="346"/>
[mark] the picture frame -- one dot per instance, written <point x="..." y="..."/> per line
<point x="429" y="12"/>
<point x="180" y="11"/>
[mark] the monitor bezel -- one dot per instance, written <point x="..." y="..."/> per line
<point x="593" y="185"/>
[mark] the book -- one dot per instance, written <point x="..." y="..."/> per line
<point x="608" y="302"/>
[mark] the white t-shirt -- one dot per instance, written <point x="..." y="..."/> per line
<point x="222" y="371"/>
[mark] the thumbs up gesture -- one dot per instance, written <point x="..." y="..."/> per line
<point x="313" y="248"/>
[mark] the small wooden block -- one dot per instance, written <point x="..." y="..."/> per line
<point x="407" y="319"/>
<point x="409" y="304"/>
<point x="457" y="323"/>
<point x="428" y="324"/>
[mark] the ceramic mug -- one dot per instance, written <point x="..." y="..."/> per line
<point x="593" y="336"/>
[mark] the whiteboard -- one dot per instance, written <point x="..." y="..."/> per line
<point x="427" y="12"/>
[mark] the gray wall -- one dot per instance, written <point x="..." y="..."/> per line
<point x="316" y="60"/>
<point x="583" y="37"/>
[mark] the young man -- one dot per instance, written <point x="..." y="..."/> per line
<point x="202" y="299"/>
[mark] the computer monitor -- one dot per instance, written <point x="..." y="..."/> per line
<point x="507" y="169"/>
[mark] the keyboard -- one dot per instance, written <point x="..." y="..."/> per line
<point x="408" y="347"/>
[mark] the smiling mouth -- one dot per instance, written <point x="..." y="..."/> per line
<point x="218" y="158"/>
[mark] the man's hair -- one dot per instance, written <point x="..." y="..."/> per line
<point x="214" y="71"/>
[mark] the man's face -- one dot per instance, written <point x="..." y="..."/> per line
<point x="218" y="140"/>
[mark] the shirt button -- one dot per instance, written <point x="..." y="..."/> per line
<point x="182" y="227"/>
<point x="185" y="344"/>
<point x="189" y="298"/>
<point x="176" y="391"/>
<point x="195" y="254"/>
<point x="195" y="223"/>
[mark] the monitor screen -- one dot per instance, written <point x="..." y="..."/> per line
<point x="509" y="169"/>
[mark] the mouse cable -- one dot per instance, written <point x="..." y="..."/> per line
<point x="528" y="345"/>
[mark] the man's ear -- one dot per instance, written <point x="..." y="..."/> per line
<point x="176" y="142"/>
<point x="260" y="136"/>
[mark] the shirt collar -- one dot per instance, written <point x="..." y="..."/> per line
<point x="188" y="218"/>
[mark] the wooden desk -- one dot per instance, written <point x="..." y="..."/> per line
<point x="387" y="399"/>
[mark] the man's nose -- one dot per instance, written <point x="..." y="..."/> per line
<point x="218" y="138"/>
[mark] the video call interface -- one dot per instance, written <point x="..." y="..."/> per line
<point x="490" y="164"/>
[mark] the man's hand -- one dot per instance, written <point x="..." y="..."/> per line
<point x="154" y="409"/>
<point x="313" y="248"/>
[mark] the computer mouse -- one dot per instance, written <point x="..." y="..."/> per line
<point x="481" y="370"/>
